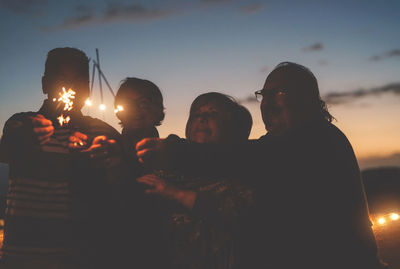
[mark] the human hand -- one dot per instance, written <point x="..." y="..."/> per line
<point x="148" y="149"/>
<point x="158" y="185"/>
<point x="104" y="151"/>
<point x="77" y="141"/>
<point x="161" y="187"/>
<point x="42" y="128"/>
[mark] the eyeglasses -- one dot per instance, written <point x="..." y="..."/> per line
<point x="261" y="94"/>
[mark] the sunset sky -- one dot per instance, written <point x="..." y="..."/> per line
<point x="192" y="47"/>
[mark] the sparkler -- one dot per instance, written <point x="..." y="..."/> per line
<point x="66" y="98"/>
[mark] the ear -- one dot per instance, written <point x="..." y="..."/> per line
<point x="45" y="85"/>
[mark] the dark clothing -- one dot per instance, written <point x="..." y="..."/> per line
<point x="311" y="210"/>
<point x="58" y="201"/>
<point x="205" y="236"/>
<point x="141" y="231"/>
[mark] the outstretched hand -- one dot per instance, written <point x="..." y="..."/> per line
<point x="160" y="186"/>
<point x="42" y="128"/>
<point x="151" y="150"/>
<point x="102" y="149"/>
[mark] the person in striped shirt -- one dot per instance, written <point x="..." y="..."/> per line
<point x="59" y="189"/>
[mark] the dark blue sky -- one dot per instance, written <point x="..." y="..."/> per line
<point x="190" y="47"/>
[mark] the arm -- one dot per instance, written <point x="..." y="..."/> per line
<point x="160" y="186"/>
<point x="227" y="160"/>
<point x="22" y="133"/>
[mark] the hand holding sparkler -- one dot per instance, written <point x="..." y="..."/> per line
<point x="102" y="149"/>
<point x="42" y="128"/>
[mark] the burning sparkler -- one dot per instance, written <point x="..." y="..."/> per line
<point x="66" y="98"/>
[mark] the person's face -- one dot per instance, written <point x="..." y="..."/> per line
<point x="139" y="112"/>
<point x="275" y="109"/>
<point x="69" y="78"/>
<point x="207" y="124"/>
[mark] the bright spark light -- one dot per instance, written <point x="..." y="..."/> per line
<point x="63" y="120"/>
<point x="102" y="107"/>
<point x="66" y="97"/>
<point x="381" y="221"/>
<point x="394" y="216"/>
<point x="88" y="102"/>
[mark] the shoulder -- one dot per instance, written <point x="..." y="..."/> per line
<point x="18" y="120"/>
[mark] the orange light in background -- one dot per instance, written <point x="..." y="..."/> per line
<point x="102" y="107"/>
<point x="119" y="108"/>
<point x="394" y="216"/>
<point x="381" y="220"/>
<point x="88" y="102"/>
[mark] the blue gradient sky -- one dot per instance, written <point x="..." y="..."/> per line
<point x="191" y="47"/>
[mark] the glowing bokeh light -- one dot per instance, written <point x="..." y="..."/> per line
<point x="102" y="107"/>
<point x="381" y="221"/>
<point x="88" y="102"/>
<point x="394" y="216"/>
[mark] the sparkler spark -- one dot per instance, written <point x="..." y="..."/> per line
<point x="63" y="120"/>
<point x="66" y="97"/>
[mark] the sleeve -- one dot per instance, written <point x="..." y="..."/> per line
<point x="17" y="137"/>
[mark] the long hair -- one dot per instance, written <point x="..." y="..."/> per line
<point x="306" y="87"/>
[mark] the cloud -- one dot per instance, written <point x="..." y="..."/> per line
<point x="314" y="47"/>
<point x="336" y="98"/>
<point x="248" y="100"/>
<point x="85" y="15"/>
<point x="348" y="96"/>
<point x="26" y="7"/>
<point x="386" y="55"/>
<point x="252" y="8"/>
<point x="378" y="161"/>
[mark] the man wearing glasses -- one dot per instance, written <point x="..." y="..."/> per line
<point x="310" y="210"/>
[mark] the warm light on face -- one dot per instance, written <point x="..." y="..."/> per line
<point x="102" y="107"/>
<point x="381" y="221"/>
<point x="394" y="216"/>
<point x="88" y="102"/>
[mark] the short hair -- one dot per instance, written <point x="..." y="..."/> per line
<point x="306" y="85"/>
<point x="61" y="57"/>
<point x="240" y="118"/>
<point x="144" y="87"/>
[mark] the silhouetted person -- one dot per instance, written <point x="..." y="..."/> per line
<point x="139" y="107"/>
<point x="203" y="214"/>
<point x="311" y="207"/>
<point x="58" y="189"/>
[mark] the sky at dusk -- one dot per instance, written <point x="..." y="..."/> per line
<point x="191" y="47"/>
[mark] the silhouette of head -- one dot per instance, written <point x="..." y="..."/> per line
<point x="142" y="104"/>
<point x="291" y="98"/>
<point x="68" y="68"/>
<point x="217" y="118"/>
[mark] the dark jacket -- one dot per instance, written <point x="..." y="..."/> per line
<point x="311" y="210"/>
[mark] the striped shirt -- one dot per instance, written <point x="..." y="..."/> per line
<point x="47" y="197"/>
